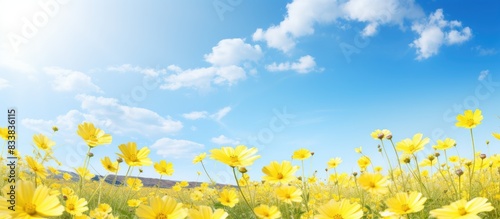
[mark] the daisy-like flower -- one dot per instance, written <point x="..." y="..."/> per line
<point x="381" y="134"/>
<point x="341" y="209"/>
<point x="334" y="162"/>
<point x="205" y="212"/>
<point x="84" y="173"/>
<point x="134" y="184"/>
<point x="266" y="212"/>
<point x="134" y="157"/>
<point x="164" y="168"/>
<point x="109" y="165"/>
<point x="406" y="203"/>
<point x="289" y="194"/>
<point x="199" y="158"/>
<point x="4" y="133"/>
<point x="279" y="173"/>
<point x="36" y="167"/>
<point x="363" y="162"/>
<point x="228" y="198"/>
<point x="32" y="203"/>
<point x="93" y="136"/>
<point x="54" y="171"/>
<point x="301" y="154"/>
<point x="133" y="203"/>
<point x="374" y="183"/>
<point x="463" y="209"/>
<point x="196" y="195"/>
<point x="411" y="146"/>
<point x="444" y="145"/>
<point x="496" y="135"/>
<point x="165" y="207"/>
<point x="76" y="206"/>
<point x="67" y="176"/>
<point x="42" y="142"/>
<point x="240" y="156"/>
<point x="469" y="119"/>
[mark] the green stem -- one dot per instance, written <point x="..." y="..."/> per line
<point x="203" y="165"/>
<point x="390" y="165"/>
<point x="241" y="192"/>
<point x="473" y="163"/>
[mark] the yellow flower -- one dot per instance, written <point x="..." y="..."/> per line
<point x="84" y="173"/>
<point x="301" y="154"/>
<point x="453" y="159"/>
<point x="341" y="209"/>
<point x="496" y="135"/>
<point x="134" y="184"/>
<point x="406" y="203"/>
<point x="289" y="194"/>
<point x="334" y="162"/>
<point x="177" y="187"/>
<point x="363" y="162"/>
<point x="469" y="120"/>
<point x="42" y="142"/>
<point x="54" y="171"/>
<point x="411" y="146"/>
<point x="199" y="158"/>
<point x="109" y="165"/>
<point x="104" y="208"/>
<point x="444" y="145"/>
<point x="184" y="184"/>
<point x="93" y="136"/>
<point x="165" y="207"/>
<point x="67" y="176"/>
<point x="381" y="134"/>
<point x="133" y="203"/>
<point x="240" y="156"/>
<point x="427" y="163"/>
<point x="205" y="212"/>
<point x="374" y="183"/>
<point x="463" y="209"/>
<point x="164" y="168"/>
<point x="32" y="203"/>
<point x="4" y="133"/>
<point x="196" y="195"/>
<point x="228" y="198"/>
<point x="266" y="212"/>
<point x="134" y="157"/>
<point x="75" y="206"/>
<point x="279" y="173"/>
<point x="36" y="167"/>
<point x="358" y="150"/>
<point x="66" y="191"/>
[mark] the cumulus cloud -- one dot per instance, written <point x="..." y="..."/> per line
<point x="305" y="64"/>
<point x="217" y="116"/>
<point x="65" y="80"/>
<point x="485" y="51"/>
<point x="130" y="68"/>
<point x="195" y="115"/>
<point x="233" y="52"/>
<point x="176" y="148"/>
<point x="223" y="140"/>
<point x="483" y="74"/>
<point x="204" y="78"/>
<point x="435" y="32"/>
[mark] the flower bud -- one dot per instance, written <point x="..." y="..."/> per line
<point x="119" y="160"/>
<point x="242" y="169"/>
<point x="459" y="172"/>
<point x="55" y="129"/>
<point x="389" y="137"/>
<point x="90" y="154"/>
<point x="355" y="174"/>
<point x="437" y="154"/>
<point x="482" y="156"/>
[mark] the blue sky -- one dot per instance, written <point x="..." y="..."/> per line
<point x="184" y="77"/>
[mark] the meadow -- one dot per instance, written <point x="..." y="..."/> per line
<point x="439" y="185"/>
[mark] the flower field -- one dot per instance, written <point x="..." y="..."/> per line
<point x="440" y="185"/>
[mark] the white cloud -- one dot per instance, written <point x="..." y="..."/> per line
<point x="305" y="64"/>
<point x="176" y="148"/>
<point x="195" y="115"/>
<point x="66" y="80"/>
<point x="130" y="68"/>
<point x="233" y="52"/>
<point x="483" y="74"/>
<point x="4" y="83"/>
<point x="223" y="140"/>
<point x="221" y="113"/>
<point x="111" y="116"/>
<point x="203" y="78"/>
<point x="485" y="51"/>
<point x="436" y="31"/>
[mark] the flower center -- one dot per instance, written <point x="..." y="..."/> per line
<point x="462" y="211"/>
<point x="162" y="216"/>
<point x="337" y="216"/>
<point x="470" y="122"/>
<point x="280" y="176"/>
<point x="405" y="207"/>
<point x="133" y="158"/>
<point x="71" y="207"/>
<point x="30" y="208"/>
<point x="234" y="159"/>
<point x="372" y="185"/>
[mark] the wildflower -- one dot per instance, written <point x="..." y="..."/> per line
<point x="496" y="135"/>
<point x="93" y="136"/>
<point x="54" y="171"/>
<point x="32" y="203"/>
<point x="205" y="212"/>
<point x="406" y="203"/>
<point x="374" y="183"/>
<point x="134" y="157"/>
<point x="36" y="167"/>
<point x="411" y="146"/>
<point x="381" y="134"/>
<point x="67" y="176"/>
<point x="133" y="203"/>
<point x="196" y="195"/>
<point x="235" y="157"/>
<point x="75" y="206"/>
<point x="279" y="173"/>
<point x="134" y="183"/>
<point x="84" y="173"/>
<point x="199" y="158"/>
<point x="444" y="145"/>
<point x="4" y="133"/>
<point x="463" y="209"/>
<point x="228" y="198"/>
<point x="108" y="165"/>
<point x="289" y="194"/>
<point x="334" y="162"/>
<point x="469" y="120"/>
<point x="165" y="207"/>
<point x="453" y="159"/>
<point x="339" y="209"/>
<point x="363" y="162"/>
<point x="301" y="154"/>
<point x="358" y="150"/>
<point x="266" y="212"/>
<point x="164" y="168"/>
<point x="42" y="142"/>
